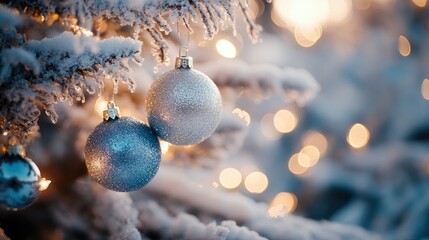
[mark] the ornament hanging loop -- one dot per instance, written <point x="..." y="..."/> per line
<point x="186" y="46"/>
<point x="183" y="61"/>
<point x="111" y="112"/>
<point x="186" y="49"/>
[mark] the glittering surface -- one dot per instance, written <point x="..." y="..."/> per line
<point x="19" y="182"/>
<point x="122" y="154"/>
<point x="184" y="106"/>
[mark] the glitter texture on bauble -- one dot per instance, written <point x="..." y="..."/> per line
<point x="184" y="106"/>
<point x="122" y="153"/>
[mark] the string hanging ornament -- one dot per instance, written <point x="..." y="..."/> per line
<point x="183" y="105"/>
<point x="122" y="153"/>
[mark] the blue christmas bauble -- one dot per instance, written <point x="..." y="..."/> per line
<point x="19" y="182"/>
<point x="122" y="154"/>
<point x="184" y="106"/>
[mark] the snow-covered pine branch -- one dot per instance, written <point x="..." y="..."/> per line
<point x="159" y="211"/>
<point x="36" y="74"/>
<point x="218" y="204"/>
<point x="234" y="77"/>
<point x="153" y="16"/>
<point x="264" y="79"/>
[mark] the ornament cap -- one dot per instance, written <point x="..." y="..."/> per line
<point x="13" y="147"/>
<point x="184" y="62"/>
<point x="13" y="150"/>
<point x="111" y="112"/>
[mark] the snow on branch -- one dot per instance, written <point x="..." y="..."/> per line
<point x="112" y="212"/>
<point x="296" y="84"/>
<point x="154" y="218"/>
<point x="153" y="16"/>
<point x="3" y="235"/>
<point x="36" y="74"/>
<point x="181" y="191"/>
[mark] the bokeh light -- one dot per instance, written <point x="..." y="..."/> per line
<point x="295" y="167"/>
<point x="362" y="4"/>
<point x="230" y="178"/>
<point x="164" y="146"/>
<point x="339" y="10"/>
<point x="242" y="114"/>
<point x="301" y="13"/>
<point x="308" y="156"/>
<point x="404" y="46"/>
<point x="267" y="127"/>
<point x="306" y="18"/>
<point x="285" y="121"/>
<point x="100" y="106"/>
<point x="425" y="89"/>
<point x="44" y="184"/>
<point x="358" y="136"/>
<point x="256" y="8"/>
<point x="307" y="36"/>
<point x="256" y="182"/>
<point x="317" y="140"/>
<point x="282" y="204"/>
<point x="420" y="3"/>
<point x="226" y="49"/>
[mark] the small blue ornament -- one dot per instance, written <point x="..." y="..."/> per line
<point x="19" y="179"/>
<point x="122" y="154"/>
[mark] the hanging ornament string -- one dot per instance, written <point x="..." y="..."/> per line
<point x="185" y="47"/>
<point x="109" y="93"/>
<point x="183" y="105"/>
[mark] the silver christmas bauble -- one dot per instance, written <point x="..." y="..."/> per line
<point x="184" y="106"/>
<point x="122" y="154"/>
<point x="19" y="181"/>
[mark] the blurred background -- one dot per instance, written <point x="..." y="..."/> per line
<point x="356" y="154"/>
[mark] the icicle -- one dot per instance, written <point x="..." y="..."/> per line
<point x="52" y="115"/>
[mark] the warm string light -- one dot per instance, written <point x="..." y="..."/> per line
<point x="164" y="146"/>
<point x="100" y="106"/>
<point x="317" y="140"/>
<point x="226" y="48"/>
<point x="358" y="136"/>
<point x="307" y="36"/>
<point x="267" y="127"/>
<point x="425" y="89"/>
<point x="308" y="156"/>
<point x="230" y="178"/>
<point x="283" y="203"/>
<point x="420" y="3"/>
<point x="44" y="184"/>
<point x="306" y="18"/>
<point x="363" y="4"/>
<point x="256" y="182"/>
<point x="295" y="167"/>
<point x="242" y="114"/>
<point x="299" y="163"/>
<point x="285" y="121"/>
<point x="404" y="46"/>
